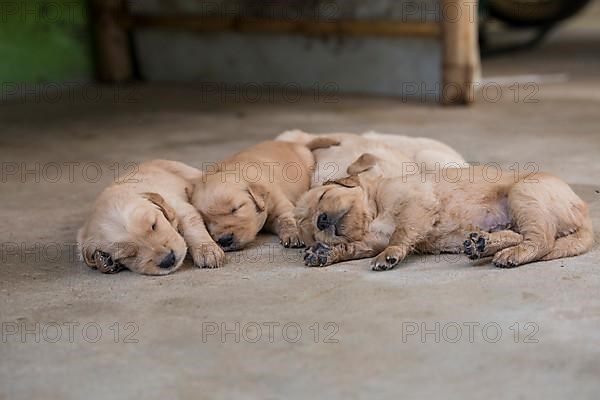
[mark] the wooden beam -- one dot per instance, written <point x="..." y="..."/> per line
<point x="271" y="26"/>
<point x="113" y="49"/>
<point x="460" y="55"/>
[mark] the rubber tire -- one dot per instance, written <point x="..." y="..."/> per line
<point x="528" y="14"/>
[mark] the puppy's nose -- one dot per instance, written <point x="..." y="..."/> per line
<point x="226" y="240"/>
<point x="168" y="261"/>
<point x="323" y="221"/>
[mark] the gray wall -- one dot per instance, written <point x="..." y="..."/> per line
<point x="407" y="67"/>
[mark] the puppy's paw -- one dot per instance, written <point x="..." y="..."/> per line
<point x="388" y="258"/>
<point x="318" y="255"/>
<point x="507" y="258"/>
<point x="208" y="255"/>
<point x="290" y="237"/>
<point x="475" y="246"/>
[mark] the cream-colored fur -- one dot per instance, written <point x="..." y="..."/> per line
<point x="397" y="154"/>
<point x="136" y="223"/>
<point x="515" y="220"/>
<point x="255" y="189"/>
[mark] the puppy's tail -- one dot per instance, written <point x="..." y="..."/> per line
<point x="295" y="136"/>
<point x="180" y="169"/>
<point x="313" y="142"/>
<point x="574" y="244"/>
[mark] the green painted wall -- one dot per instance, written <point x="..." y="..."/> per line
<point x="44" y="41"/>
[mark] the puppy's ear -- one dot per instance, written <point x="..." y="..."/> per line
<point x="87" y="252"/>
<point x="258" y="194"/>
<point x="322" y="143"/>
<point x="160" y="202"/>
<point x="363" y="163"/>
<point x="125" y="250"/>
<point x="349" y="182"/>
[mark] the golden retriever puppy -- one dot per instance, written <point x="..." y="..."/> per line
<point x="146" y="223"/>
<point x="514" y="219"/>
<point x="426" y="152"/>
<point x="397" y="154"/>
<point x="255" y="189"/>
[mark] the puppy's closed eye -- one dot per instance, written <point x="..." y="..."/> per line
<point x="322" y="195"/>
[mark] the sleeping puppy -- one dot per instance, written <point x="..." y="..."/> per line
<point x="515" y="220"/>
<point x="423" y="151"/>
<point x="397" y="154"/>
<point x="146" y="223"/>
<point x="253" y="190"/>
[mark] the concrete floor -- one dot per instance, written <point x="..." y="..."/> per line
<point x="166" y="351"/>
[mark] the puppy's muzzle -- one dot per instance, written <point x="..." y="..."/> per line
<point x="168" y="261"/>
<point x="324" y="221"/>
<point x="330" y="223"/>
<point x="226" y="241"/>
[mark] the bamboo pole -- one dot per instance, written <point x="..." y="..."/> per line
<point x="461" y="63"/>
<point x="113" y="49"/>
